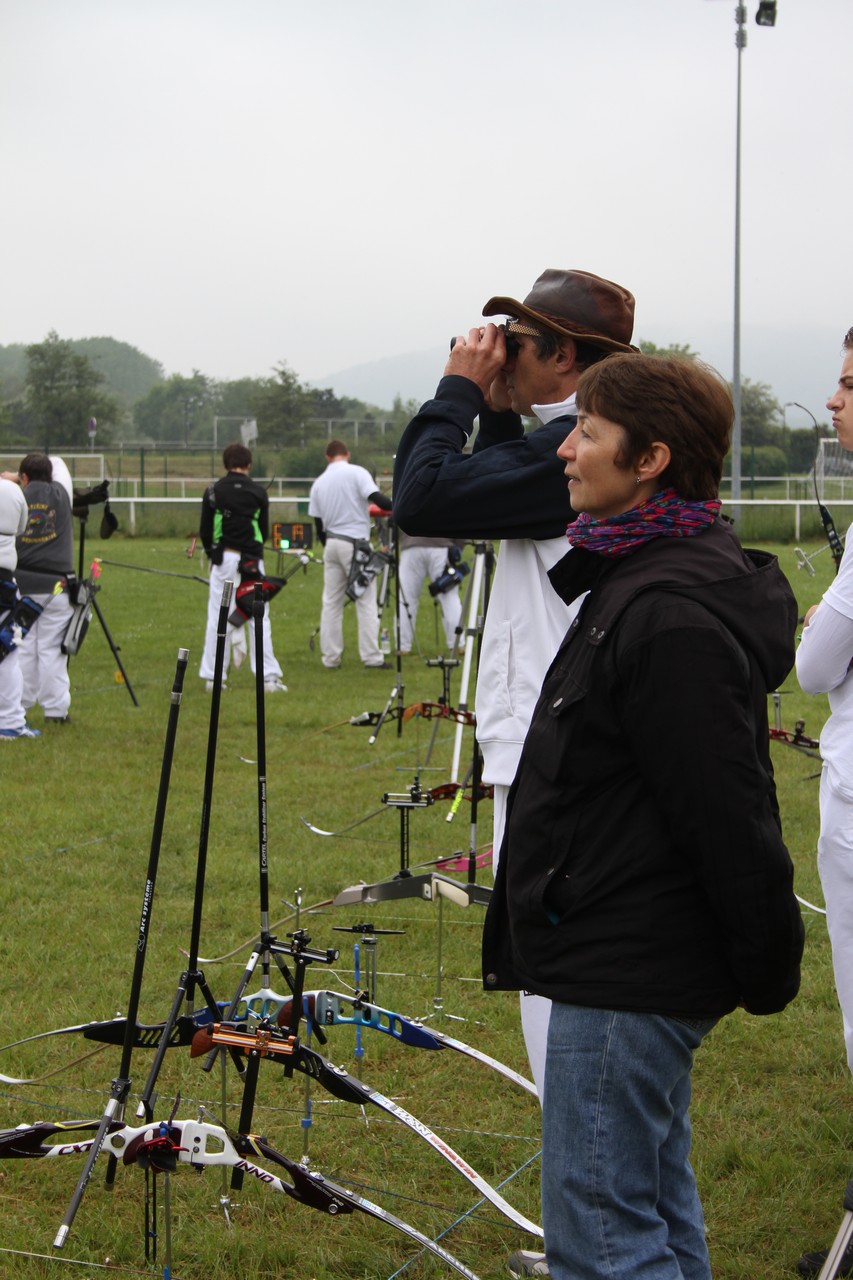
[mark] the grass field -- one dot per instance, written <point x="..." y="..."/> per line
<point x="771" y="1111"/>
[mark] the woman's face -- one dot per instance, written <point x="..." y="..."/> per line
<point x="596" y="484"/>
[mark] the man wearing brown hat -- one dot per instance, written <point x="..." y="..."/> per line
<point x="512" y="487"/>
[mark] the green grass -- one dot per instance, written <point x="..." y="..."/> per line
<point x="771" y="1116"/>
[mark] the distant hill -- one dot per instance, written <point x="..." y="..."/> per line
<point x="129" y="373"/>
<point x="798" y="366"/>
<point x="412" y="376"/>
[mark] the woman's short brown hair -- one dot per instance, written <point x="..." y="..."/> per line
<point x="679" y="401"/>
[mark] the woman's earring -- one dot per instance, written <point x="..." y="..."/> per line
<point x="638" y="480"/>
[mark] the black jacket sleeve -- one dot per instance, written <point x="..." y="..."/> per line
<point x="511" y="485"/>
<point x="263" y="514"/>
<point x="205" y="526"/>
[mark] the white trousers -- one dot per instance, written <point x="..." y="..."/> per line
<point x="419" y="565"/>
<point x="11" y="687"/>
<point x="535" y="1010"/>
<point x="337" y="558"/>
<point x="44" y="667"/>
<point x="835" y="865"/>
<point x="229" y="570"/>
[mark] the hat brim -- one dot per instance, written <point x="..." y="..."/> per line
<point x="517" y="310"/>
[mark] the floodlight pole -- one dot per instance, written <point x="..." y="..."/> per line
<point x="765" y="17"/>
<point x="740" y="44"/>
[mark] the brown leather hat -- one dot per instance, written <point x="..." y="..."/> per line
<point x="578" y="305"/>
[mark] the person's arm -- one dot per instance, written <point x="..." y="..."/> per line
<point x="511" y="487"/>
<point x="826" y="649"/>
<point x="264" y="516"/>
<point x="205" y="525"/>
<point x="378" y="499"/>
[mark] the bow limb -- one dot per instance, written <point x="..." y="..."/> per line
<point x="332" y="1078"/>
<point x="58" y="1031"/>
<point x="249" y="942"/>
<point x="112" y="1032"/>
<point x="501" y="1067"/>
<point x="836" y="546"/>
<point x="317" y="831"/>
<point x="302" y="1177"/>
<point x="29" y="1142"/>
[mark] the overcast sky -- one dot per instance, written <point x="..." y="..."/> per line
<point x="228" y="184"/>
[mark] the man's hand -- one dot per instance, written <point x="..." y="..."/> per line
<point x="479" y="357"/>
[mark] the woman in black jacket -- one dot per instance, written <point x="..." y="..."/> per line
<point x="643" y="884"/>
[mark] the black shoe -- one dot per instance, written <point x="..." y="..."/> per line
<point x="57" y="719"/>
<point x="378" y="666"/>
<point x="811" y="1264"/>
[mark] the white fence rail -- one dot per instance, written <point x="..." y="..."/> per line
<point x="127" y="508"/>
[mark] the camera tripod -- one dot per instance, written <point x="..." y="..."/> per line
<point x="84" y="604"/>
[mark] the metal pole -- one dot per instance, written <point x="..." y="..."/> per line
<point x="740" y="44"/>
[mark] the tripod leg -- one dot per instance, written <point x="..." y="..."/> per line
<point x="99" y="615"/>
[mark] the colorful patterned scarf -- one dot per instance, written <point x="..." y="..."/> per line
<point x="664" y="515"/>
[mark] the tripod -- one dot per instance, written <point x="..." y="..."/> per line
<point x="85" y="603"/>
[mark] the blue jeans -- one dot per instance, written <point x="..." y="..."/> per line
<point x="619" y="1199"/>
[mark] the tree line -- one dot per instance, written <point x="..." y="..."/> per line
<point x="94" y="393"/>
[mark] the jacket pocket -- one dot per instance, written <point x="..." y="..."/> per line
<point x="556" y="730"/>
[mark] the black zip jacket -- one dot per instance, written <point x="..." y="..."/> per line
<point x="235" y="514"/>
<point x="643" y="865"/>
<point x="511" y="485"/>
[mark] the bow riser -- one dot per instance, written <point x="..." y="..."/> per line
<point x="330" y="1008"/>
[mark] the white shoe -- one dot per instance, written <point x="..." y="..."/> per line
<point x="208" y="684"/>
<point x="524" y="1263"/>
<point x="274" y="685"/>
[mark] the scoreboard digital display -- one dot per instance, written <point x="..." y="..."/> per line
<point x="292" y="537"/>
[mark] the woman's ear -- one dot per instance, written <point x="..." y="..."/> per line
<point x="653" y="462"/>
